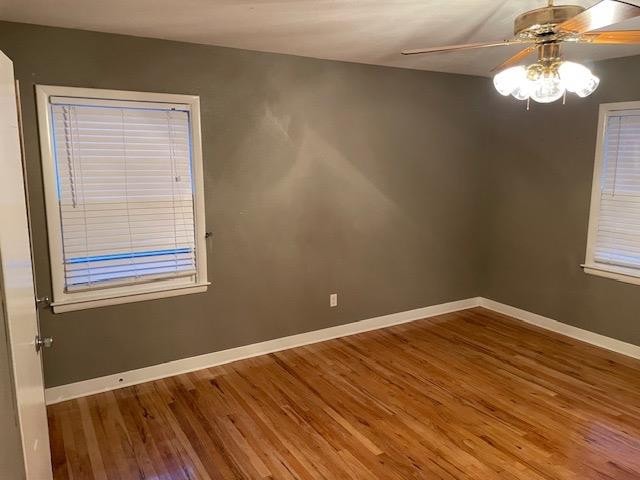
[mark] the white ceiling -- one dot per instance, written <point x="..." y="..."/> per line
<point x="366" y="31"/>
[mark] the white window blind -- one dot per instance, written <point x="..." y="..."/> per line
<point x="617" y="239"/>
<point x="125" y="191"/>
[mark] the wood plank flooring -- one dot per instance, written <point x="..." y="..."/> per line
<point x="467" y="395"/>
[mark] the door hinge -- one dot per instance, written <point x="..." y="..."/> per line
<point x="43" y="302"/>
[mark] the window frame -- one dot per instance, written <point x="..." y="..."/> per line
<point x="590" y="266"/>
<point x="69" y="301"/>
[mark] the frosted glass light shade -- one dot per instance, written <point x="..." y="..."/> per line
<point x="510" y="80"/>
<point x="578" y="79"/>
<point x="523" y="91"/>
<point x="547" y="88"/>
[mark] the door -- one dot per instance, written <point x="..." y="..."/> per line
<point x="17" y="290"/>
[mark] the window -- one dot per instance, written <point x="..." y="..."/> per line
<point x="613" y="247"/>
<point x="124" y="195"/>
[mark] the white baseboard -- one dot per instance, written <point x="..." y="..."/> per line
<point x="602" y="341"/>
<point x="184" y="365"/>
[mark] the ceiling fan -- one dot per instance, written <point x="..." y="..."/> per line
<point x="544" y="30"/>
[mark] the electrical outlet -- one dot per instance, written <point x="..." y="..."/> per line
<point x="333" y="300"/>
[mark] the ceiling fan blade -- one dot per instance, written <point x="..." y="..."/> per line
<point x="521" y="55"/>
<point x="611" y="38"/>
<point x="468" y="46"/>
<point x="601" y="15"/>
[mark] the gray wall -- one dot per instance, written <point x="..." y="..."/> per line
<point x="394" y="188"/>
<point x="11" y="461"/>
<point x="537" y="209"/>
<point x="320" y="177"/>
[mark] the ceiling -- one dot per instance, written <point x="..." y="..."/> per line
<point x="366" y="31"/>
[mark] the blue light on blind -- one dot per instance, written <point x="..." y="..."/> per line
<point x="119" y="256"/>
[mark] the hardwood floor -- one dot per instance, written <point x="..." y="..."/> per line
<point x="468" y="395"/>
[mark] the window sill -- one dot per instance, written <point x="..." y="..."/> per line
<point x="151" y="294"/>
<point x="621" y="274"/>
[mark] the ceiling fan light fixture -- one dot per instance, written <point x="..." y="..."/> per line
<point x="545" y="29"/>
<point x="550" y="78"/>
<point x="546" y="82"/>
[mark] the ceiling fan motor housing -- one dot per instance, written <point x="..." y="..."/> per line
<point x="542" y="21"/>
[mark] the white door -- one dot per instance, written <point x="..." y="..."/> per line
<point x="16" y="285"/>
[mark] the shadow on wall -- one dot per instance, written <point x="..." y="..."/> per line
<point x="307" y="195"/>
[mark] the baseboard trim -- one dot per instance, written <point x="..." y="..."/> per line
<point x="185" y="365"/>
<point x="596" y="339"/>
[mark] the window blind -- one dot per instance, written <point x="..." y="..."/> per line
<point x="125" y="191"/>
<point x="618" y="233"/>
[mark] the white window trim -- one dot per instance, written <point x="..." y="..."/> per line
<point x="590" y="266"/>
<point x="63" y="301"/>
